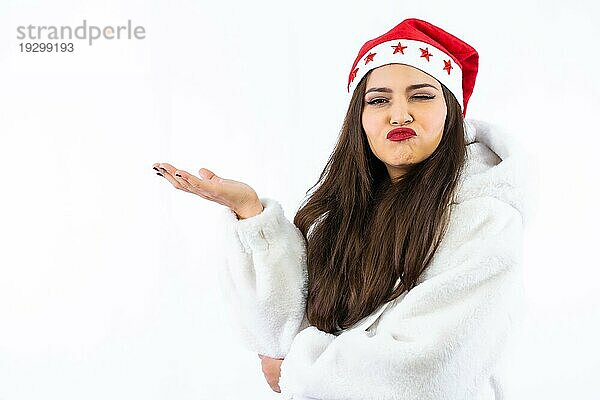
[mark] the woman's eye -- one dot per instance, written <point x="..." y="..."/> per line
<point x="424" y="97"/>
<point x="374" y="101"/>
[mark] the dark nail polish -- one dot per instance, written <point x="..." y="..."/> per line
<point x="178" y="175"/>
<point x="158" y="173"/>
<point x="156" y="169"/>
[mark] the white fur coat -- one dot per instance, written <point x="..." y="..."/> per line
<point x="445" y="339"/>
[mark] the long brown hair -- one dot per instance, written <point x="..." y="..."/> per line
<point x="364" y="231"/>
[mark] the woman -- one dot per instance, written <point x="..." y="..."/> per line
<point x="400" y="276"/>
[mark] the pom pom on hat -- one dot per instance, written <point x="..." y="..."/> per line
<point x="422" y="45"/>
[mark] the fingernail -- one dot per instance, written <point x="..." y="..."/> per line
<point x="154" y="168"/>
<point x="158" y="173"/>
<point x="177" y="175"/>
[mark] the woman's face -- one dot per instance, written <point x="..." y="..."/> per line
<point x="390" y="103"/>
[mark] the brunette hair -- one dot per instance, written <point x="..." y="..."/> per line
<point x="364" y="231"/>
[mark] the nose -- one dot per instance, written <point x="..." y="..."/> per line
<point x="400" y="114"/>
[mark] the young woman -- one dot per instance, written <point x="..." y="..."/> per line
<point x="399" y="277"/>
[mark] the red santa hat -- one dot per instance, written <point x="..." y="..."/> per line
<point x="424" y="46"/>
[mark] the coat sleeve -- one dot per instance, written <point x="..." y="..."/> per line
<point x="264" y="280"/>
<point x="442" y="340"/>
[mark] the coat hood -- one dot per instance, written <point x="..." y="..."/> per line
<point x="499" y="166"/>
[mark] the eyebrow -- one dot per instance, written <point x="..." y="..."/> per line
<point x="408" y="88"/>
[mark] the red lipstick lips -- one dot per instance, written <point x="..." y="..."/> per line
<point x="400" y="134"/>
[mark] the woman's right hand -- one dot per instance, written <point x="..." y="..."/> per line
<point x="238" y="196"/>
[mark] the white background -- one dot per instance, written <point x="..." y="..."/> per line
<point x="108" y="284"/>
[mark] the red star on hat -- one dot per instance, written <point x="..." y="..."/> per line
<point x="369" y="58"/>
<point x="399" y="48"/>
<point x="425" y="53"/>
<point x="353" y="75"/>
<point x="447" y="66"/>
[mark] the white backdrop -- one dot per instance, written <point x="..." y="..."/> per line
<point x="108" y="284"/>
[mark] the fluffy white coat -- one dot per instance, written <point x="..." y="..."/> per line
<point x="445" y="339"/>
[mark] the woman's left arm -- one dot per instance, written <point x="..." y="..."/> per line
<point x="443" y="339"/>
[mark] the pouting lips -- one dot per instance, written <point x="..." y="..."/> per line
<point x="400" y="134"/>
